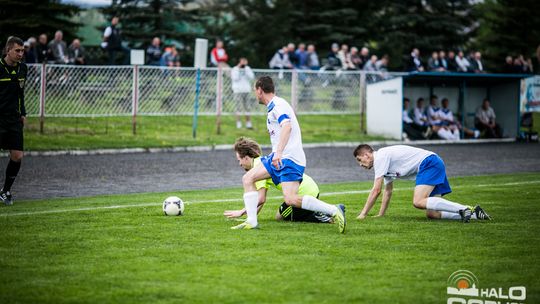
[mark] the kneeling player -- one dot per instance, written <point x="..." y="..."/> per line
<point x="427" y="168"/>
<point x="248" y="154"/>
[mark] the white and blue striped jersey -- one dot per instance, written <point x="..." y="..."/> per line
<point x="279" y="111"/>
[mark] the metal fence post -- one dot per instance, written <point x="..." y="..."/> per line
<point x="135" y="100"/>
<point x="42" y="98"/>
<point x="219" y="98"/>
<point x="362" y="101"/>
<point x="196" y="106"/>
<point x="294" y="88"/>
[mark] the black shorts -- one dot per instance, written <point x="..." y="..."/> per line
<point x="293" y="214"/>
<point x="11" y="136"/>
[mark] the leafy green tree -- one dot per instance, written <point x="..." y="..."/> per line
<point x="507" y="27"/>
<point x="433" y="25"/>
<point x="29" y="18"/>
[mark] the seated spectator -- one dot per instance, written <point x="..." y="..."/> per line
<point x="371" y="65"/>
<point x="312" y="58"/>
<point x="452" y="66"/>
<point x="485" y="121"/>
<point x="442" y="130"/>
<point x="42" y="49"/>
<point x="419" y="116"/>
<point x="218" y="55"/>
<point x="434" y="64"/>
<point x="58" y="49"/>
<point x="415" y="63"/>
<point x="30" y="51"/>
<point x="153" y="52"/>
<point x="411" y="130"/>
<point x="447" y="118"/>
<point x="280" y="60"/>
<point x="302" y="56"/>
<point x="462" y="63"/>
<point x="76" y="53"/>
<point x="443" y="63"/>
<point x="334" y="63"/>
<point x="171" y="58"/>
<point x="476" y="63"/>
<point x="508" y="65"/>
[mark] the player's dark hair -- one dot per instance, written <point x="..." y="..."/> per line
<point x="11" y="41"/>
<point x="245" y="146"/>
<point x="361" y="149"/>
<point x="265" y="83"/>
<point x="419" y="100"/>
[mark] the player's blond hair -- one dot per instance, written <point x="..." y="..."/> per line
<point x="245" y="146"/>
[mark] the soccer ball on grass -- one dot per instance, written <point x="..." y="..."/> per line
<point x="173" y="205"/>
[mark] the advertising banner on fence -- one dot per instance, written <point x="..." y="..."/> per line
<point x="530" y="94"/>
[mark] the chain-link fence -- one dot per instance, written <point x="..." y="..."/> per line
<point x="90" y="91"/>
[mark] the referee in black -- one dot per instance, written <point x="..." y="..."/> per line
<point x="12" y="111"/>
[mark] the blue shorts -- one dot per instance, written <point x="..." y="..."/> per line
<point x="432" y="172"/>
<point x="289" y="172"/>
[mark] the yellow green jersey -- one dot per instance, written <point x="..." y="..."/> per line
<point x="307" y="187"/>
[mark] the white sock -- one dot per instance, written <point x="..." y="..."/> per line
<point x="454" y="216"/>
<point x="440" y="204"/>
<point x="445" y="134"/>
<point x="251" y="200"/>
<point x="313" y="204"/>
<point x="450" y="216"/>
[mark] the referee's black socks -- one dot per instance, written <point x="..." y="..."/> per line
<point x="11" y="173"/>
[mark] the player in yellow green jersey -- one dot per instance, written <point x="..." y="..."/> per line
<point x="248" y="154"/>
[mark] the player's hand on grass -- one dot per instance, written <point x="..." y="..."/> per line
<point x="233" y="213"/>
<point x="361" y="216"/>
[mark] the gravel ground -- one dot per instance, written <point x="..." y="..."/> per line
<point x="74" y="176"/>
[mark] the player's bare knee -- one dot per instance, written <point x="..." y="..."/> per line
<point x="279" y="217"/>
<point x="293" y="200"/>
<point x="247" y="180"/>
<point x="16" y="156"/>
<point x="418" y="203"/>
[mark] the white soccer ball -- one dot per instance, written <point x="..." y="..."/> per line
<point x="173" y="205"/>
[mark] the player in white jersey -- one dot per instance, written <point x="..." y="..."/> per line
<point x="286" y="164"/>
<point x="427" y="168"/>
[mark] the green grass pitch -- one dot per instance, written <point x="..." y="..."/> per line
<point x="122" y="249"/>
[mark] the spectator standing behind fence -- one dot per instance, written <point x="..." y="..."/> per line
<point x="364" y="55"/>
<point x="356" y="60"/>
<point x="434" y="64"/>
<point x="382" y="64"/>
<point x="42" y="49"/>
<point x="371" y="65"/>
<point x="153" y="52"/>
<point x="462" y="63"/>
<point x="415" y="63"/>
<point x="76" y="53"/>
<point x="312" y="58"/>
<point x="58" y="49"/>
<point x="302" y="56"/>
<point x="112" y="42"/>
<point x="171" y="58"/>
<point x="485" y="120"/>
<point x="333" y="61"/>
<point x="218" y="55"/>
<point x="443" y="63"/>
<point x="291" y="52"/>
<point x="280" y="60"/>
<point x="345" y="58"/>
<point x="30" y="54"/>
<point x="242" y="77"/>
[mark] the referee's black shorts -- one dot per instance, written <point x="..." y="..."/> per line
<point x="11" y="135"/>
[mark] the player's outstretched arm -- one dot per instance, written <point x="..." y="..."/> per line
<point x="387" y="195"/>
<point x="372" y="198"/>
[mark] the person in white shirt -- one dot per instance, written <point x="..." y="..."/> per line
<point x="427" y="168"/>
<point x="435" y="121"/>
<point x="286" y="164"/>
<point x="463" y="65"/>
<point x="241" y="76"/>
<point x="419" y="117"/>
<point x="409" y="128"/>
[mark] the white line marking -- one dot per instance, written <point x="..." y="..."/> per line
<point x="230" y="200"/>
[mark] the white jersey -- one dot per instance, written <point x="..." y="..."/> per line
<point x="433" y="114"/>
<point x="279" y="111"/>
<point x="398" y="162"/>
<point x="446" y="114"/>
